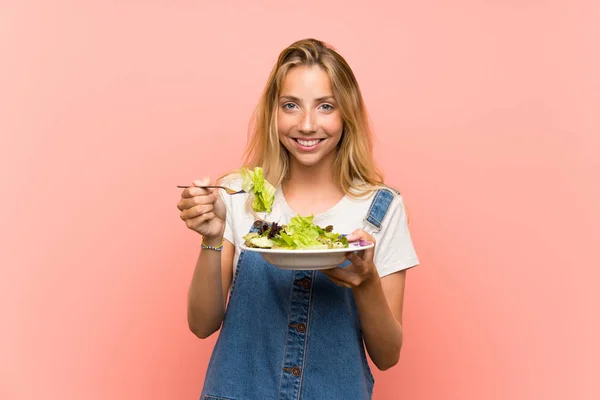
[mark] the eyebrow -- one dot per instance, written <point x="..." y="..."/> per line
<point x="296" y="99"/>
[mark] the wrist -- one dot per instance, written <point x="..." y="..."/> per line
<point x="213" y="241"/>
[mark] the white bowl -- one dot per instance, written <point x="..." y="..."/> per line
<point x="308" y="259"/>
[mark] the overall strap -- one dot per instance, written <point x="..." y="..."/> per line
<point x="379" y="207"/>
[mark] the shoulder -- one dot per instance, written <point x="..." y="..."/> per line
<point x="360" y="189"/>
<point x="391" y="191"/>
<point x="396" y="199"/>
<point x="397" y="207"/>
<point x="386" y="211"/>
<point x="384" y="196"/>
<point x="382" y="199"/>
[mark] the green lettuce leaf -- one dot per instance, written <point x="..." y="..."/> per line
<point x="299" y="233"/>
<point x="253" y="182"/>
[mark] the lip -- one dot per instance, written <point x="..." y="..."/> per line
<point x="308" y="148"/>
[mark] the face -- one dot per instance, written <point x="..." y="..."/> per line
<point x="309" y="121"/>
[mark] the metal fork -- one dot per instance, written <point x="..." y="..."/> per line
<point x="226" y="189"/>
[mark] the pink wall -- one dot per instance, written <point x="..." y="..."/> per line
<point x="487" y="119"/>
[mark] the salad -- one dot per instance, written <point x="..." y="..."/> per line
<point x="253" y="182"/>
<point x="299" y="233"/>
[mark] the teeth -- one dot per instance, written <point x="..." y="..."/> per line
<point x="308" y="143"/>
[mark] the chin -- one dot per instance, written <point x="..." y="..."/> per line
<point x="310" y="160"/>
<point x="307" y="161"/>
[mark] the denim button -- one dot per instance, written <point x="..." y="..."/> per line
<point x="296" y="371"/>
<point x="305" y="283"/>
<point x="301" y="327"/>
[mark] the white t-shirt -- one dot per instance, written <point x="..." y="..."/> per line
<point x="394" y="249"/>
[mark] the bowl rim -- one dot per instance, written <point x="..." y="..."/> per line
<point x="353" y="246"/>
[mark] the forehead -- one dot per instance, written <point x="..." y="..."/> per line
<point x="306" y="80"/>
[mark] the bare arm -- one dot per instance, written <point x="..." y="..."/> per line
<point x="205" y="213"/>
<point x="207" y="294"/>
<point x="379" y="302"/>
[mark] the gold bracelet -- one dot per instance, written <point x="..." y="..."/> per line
<point x="215" y="248"/>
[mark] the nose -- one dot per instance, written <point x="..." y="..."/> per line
<point x="307" y="123"/>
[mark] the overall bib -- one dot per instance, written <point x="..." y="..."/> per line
<point x="290" y="334"/>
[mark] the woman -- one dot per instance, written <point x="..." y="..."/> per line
<point x="302" y="334"/>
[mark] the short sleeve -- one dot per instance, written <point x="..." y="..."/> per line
<point x="229" y="233"/>
<point x="394" y="250"/>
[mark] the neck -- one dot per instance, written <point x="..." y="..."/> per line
<point x="311" y="190"/>
<point x="305" y="177"/>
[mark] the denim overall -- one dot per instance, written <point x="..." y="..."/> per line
<point x="290" y="334"/>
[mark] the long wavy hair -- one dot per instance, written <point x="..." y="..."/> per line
<point x="354" y="166"/>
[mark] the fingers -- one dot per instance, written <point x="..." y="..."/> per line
<point x="201" y="182"/>
<point x="193" y="191"/>
<point x="359" y="271"/>
<point x="359" y="234"/>
<point x="356" y="259"/>
<point x="189" y="202"/>
<point x="194" y="195"/>
<point x="343" y="277"/>
<point x="196" y="211"/>
<point x="195" y="223"/>
<point x="202" y="209"/>
<point x="196" y="190"/>
<point x="367" y="254"/>
<point x="331" y="274"/>
<point x="340" y="283"/>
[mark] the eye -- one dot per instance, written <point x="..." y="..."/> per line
<point x="289" y="106"/>
<point x="327" y="107"/>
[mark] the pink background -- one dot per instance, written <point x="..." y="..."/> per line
<point x="486" y="115"/>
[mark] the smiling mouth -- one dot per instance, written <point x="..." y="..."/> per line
<point x="308" y="143"/>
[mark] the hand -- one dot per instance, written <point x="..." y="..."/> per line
<point x="203" y="210"/>
<point x="361" y="270"/>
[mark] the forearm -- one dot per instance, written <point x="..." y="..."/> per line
<point x="206" y="304"/>
<point x="382" y="333"/>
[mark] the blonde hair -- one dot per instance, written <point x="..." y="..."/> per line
<point x="354" y="167"/>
